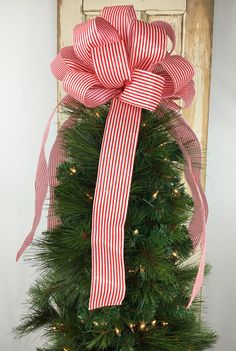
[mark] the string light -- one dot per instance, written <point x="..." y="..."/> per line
<point x="142" y="326"/>
<point x="54" y="328"/>
<point x="161" y="145"/>
<point x="73" y="170"/>
<point x="136" y="232"/>
<point x="97" y="114"/>
<point x="174" y="254"/>
<point x="65" y="349"/>
<point x="141" y="268"/>
<point x="131" y="271"/>
<point x="154" y="322"/>
<point x="154" y="195"/>
<point x="132" y="325"/>
<point x="164" y="323"/>
<point x="144" y="125"/>
<point x="118" y="332"/>
<point x="96" y="323"/>
<point x="176" y="192"/>
<point x="89" y="196"/>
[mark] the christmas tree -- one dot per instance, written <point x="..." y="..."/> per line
<point x="153" y="315"/>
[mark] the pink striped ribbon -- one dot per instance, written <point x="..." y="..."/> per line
<point x="116" y="57"/>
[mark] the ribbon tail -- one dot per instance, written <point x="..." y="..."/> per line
<point x="191" y="150"/>
<point x="57" y="156"/>
<point x="200" y="274"/>
<point x="197" y="228"/>
<point x="41" y="187"/>
<point x="53" y="163"/>
<point x="111" y="203"/>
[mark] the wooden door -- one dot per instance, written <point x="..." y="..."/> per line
<point x="192" y="21"/>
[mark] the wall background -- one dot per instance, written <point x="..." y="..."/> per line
<point x="28" y="95"/>
<point x="221" y="177"/>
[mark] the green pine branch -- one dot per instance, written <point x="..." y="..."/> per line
<point x="153" y="315"/>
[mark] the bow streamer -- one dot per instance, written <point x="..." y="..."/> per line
<point x="116" y="57"/>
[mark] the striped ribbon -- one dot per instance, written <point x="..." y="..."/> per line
<point x="116" y="57"/>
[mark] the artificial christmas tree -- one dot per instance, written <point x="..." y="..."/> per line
<point x="112" y="263"/>
<point x="153" y="315"/>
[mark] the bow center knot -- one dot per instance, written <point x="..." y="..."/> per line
<point x="144" y="90"/>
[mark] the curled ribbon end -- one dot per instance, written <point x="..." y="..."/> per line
<point x="93" y="306"/>
<point x="24" y="246"/>
<point x="189" y="304"/>
<point x="19" y="253"/>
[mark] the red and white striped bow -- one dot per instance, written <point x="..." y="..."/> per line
<point x="116" y="57"/>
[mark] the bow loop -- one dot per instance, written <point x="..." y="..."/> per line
<point x="169" y="32"/>
<point x="111" y="64"/>
<point x="86" y="88"/>
<point x="89" y="35"/>
<point x="147" y="44"/>
<point x="186" y="94"/>
<point x="177" y="72"/>
<point x="120" y="18"/>
<point x="65" y="62"/>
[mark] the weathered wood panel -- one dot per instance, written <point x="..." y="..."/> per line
<point x="198" y="49"/>
<point x="140" y="5"/>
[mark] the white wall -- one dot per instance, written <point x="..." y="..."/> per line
<point x="28" y="94"/>
<point x="221" y="178"/>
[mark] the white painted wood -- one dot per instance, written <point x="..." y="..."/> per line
<point x="140" y="5"/>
